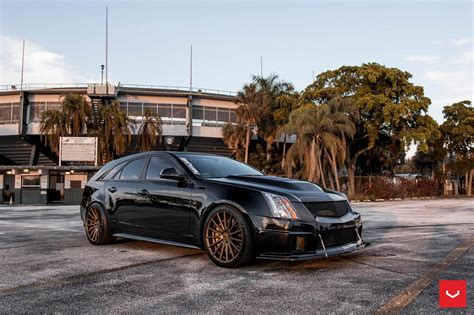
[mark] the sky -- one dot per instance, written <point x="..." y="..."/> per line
<point x="149" y="42"/>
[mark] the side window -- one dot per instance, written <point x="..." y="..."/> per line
<point x="111" y="174"/>
<point x="156" y="165"/>
<point x="132" y="170"/>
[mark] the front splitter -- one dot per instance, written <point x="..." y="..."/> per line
<point x="329" y="252"/>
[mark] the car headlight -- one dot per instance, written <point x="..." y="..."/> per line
<point x="281" y="207"/>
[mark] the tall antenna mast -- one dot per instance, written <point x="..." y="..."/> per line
<point x="22" y="65"/>
<point x="189" y="108"/>
<point x="261" y="66"/>
<point x="107" y="48"/>
<point x="191" y="71"/>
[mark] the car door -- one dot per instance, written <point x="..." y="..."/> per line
<point x="164" y="205"/>
<point x="121" y="194"/>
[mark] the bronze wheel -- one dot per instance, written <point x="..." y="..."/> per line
<point x="93" y="224"/>
<point x="96" y="225"/>
<point x="227" y="237"/>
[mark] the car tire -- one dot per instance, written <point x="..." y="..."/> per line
<point x="97" y="225"/>
<point x="227" y="237"/>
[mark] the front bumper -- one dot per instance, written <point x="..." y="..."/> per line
<point x="330" y="251"/>
<point x="303" y="240"/>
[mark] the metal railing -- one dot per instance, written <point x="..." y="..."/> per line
<point x="41" y="86"/>
<point x="177" y="88"/>
<point x="151" y="88"/>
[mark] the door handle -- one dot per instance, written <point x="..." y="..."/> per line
<point x="143" y="192"/>
<point x="113" y="189"/>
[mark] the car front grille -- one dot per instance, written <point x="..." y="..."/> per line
<point x="337" y="237"/>
<point x="334" y="209"/>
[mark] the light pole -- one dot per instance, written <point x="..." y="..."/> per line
<point x="22" y="65"/>
<point x="106" y="49"/>
<point x="102" y="74"/>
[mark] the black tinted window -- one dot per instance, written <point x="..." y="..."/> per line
<point x="111" y="174"/>
<point x="208" y="166"/>
<point x="156" y="165"/>
<point x="132" y="169"/>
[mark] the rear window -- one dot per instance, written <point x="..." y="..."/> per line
<point x="111" y="174"/>
<point x="132" y="170"/>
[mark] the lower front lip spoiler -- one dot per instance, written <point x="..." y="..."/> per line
<point x="359" y="239"/>
<point x="327" y="252"/>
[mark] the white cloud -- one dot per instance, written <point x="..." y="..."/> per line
<point x="467" y="57"/>
<point x="41" y="65"/>
<point x="448" y="87"/>
<point x="460" y="80"/>
<point x="462" y="41"/>
<point x="422" y="59"/>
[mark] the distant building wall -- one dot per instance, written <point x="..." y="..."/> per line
<point x="210" y="112"/>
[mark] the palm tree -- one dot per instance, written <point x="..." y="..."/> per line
<point x="317" y="130"/>
<point x="72" y="120"/>
<point x="341" y="114"/>
<point x="77" y="114"/>
<point x="115" y="131"/>
<point x="287" y="102"/>
<point x="234" y="136"/>
<point x="304" y="151"/>
<point x="52" y="128"/>
<point x="150" y="131"/>
<point x="112" y="128"/>
<point x="273" y="95"/>
<point x="248" y="112"/>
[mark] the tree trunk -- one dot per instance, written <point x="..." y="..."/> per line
<point x="466" y="179"/>
<point x="313" y="165"/>
<point x="352" y="168"/>
<point x="331" y="169"/>
<point x="469" y="182"/>
<point x="247" y="144"/>
<point x="351" y="174"/>
<point x="268" y="150"/>
<point x="331" y="182"/>
<point x="323" y="177"/>
<point x="471" y="179"/>
<point x="284" y="153"/>
<point x="334" y="170"/>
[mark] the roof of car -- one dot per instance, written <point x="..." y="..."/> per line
<point x="181" y="153"/>
<point x="147" y="153"/>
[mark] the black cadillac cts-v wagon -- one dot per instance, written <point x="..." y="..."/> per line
<point x="215" y="203"/>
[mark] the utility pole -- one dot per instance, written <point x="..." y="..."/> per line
<point x="261" y="66"/>
<point x="313" y="75"/>
<point x="189" y="109"/>
<point x="191" y="72"/>
<point x="106" y="49"/>
<point x="22" y="65"/>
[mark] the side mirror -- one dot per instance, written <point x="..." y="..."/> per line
<point x="171" y="173"/>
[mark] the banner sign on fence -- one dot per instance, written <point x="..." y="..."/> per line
<point x="78" y="149"/>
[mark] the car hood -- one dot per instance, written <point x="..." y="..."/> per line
<point x="295" y="190"/>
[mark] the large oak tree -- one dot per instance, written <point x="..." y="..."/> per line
<point x="458" y="131"/>
<point x="389" y="106"/>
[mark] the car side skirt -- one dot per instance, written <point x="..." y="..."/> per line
<point x="154" y="240"/>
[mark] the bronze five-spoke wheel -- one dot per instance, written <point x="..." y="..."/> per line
<point x="96" y="225"/>
<point x="227" y="238"/>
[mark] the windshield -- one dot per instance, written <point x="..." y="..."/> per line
<point x="217" y="166"/>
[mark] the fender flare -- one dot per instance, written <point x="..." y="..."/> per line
<point x="215" y="204"/>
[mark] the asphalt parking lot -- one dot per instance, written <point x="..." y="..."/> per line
<point x="47" y="265"/>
